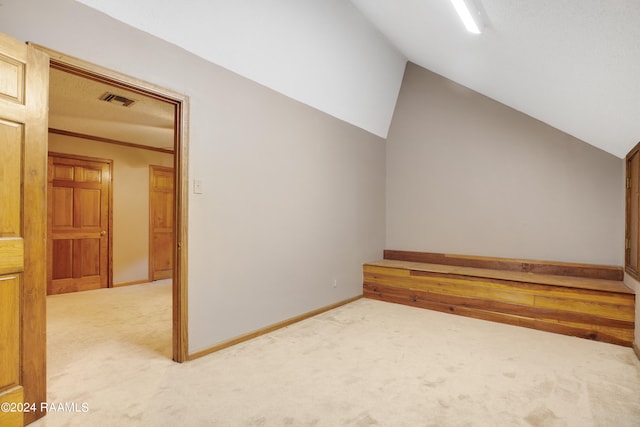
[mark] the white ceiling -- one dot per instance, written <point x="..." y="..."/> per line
<point x="574" y="64"/>
<point x="75" y="106"/>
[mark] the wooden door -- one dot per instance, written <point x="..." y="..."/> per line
<point x="79" y="223"/>
<point x="24" y="78"/>
<point x="161" y="220"/>
<point x="632" y="252"/>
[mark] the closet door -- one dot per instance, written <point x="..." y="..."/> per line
<point x="633" y="211"/>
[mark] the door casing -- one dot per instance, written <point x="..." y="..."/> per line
<point x="88" y="70"/>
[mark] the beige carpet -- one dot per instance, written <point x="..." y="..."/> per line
<point x="367" y="363"/>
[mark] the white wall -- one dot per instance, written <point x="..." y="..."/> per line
<point x="468" y="175"/>
<point x="323" y="53"/>
<point x="130" y="200"/>
<point x="293" y="197"/>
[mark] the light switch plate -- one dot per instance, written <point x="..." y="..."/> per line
<point x="197" y="186"/>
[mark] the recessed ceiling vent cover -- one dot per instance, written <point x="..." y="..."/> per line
<point x="117" y="99"/>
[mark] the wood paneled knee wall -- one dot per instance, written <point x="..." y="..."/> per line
<point x="586" y="301"/>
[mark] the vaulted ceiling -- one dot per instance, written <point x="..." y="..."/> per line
<point x="573" y="64"/>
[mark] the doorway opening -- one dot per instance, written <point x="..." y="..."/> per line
<point x="160" y="138"/>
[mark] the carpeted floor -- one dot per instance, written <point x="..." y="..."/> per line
<point x="366" y="363"/>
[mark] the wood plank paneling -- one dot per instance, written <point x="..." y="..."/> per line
<point x="557" y="305"/>
<point x="509" y="264"/>
<point x="524" y="310"/>
<point x="418" y="269"/>
<point x="588" y="332"/>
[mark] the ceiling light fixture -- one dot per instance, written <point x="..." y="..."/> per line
<point x="469" y="15"/>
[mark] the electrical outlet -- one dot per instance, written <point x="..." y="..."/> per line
<point x="335" y="283"/>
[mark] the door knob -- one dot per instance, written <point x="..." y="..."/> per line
<point x="103" y="232"/>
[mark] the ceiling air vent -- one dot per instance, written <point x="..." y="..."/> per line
<point x="117" y="99"/>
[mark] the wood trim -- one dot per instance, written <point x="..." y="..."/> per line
<point x="181" y="255"/>
<point x="82" y="68"/>
<point x="419" y="269"/>
<point x="509" y="319"/>
<point x="271" y="328"/>
<point x="604" y="315"/>
<point x="34" y="291"/>
<point x="88" y="70"/>
<point x="630" y="270"/>
<point x="134" y="282"/>
<point x="108" y="140"/>
<point x="510" y="264"/>
<point x="635" y="149"/>
<point x="492" y="305"/>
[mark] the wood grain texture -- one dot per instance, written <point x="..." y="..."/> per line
<point x="587" y="332"/>
<point x="632" y="212"/>
<point x="602" y="310"/>
<point x="181" y="255"/>
<point x="509" y="264"/>
<point x="535" y="312"/>
<point x="11" y="254"/>
<point x="12" y="396"/>
<point x="161" y="222"/>
<point x="10" y="331"/>
<point x="417" y="269"/>
<point x="33" y="361"/>
<point x="11" y="140"/>
<point x="79" y="243"/>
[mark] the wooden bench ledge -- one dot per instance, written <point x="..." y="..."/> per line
<point x="555" y="268"/>
<point x="587" y="301"/>
<point x="514" y="276"/>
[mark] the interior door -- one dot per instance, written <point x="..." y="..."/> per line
<point x="24" y="75"/>
<point x="161" y="208"/>
<point x="79" y="219"/>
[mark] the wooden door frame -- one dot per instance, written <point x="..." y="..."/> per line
<point x="109" y="214"/>
<point x="151" y="251"/>
<point x="635" y="151"/>
<point x="88" y="70"/>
